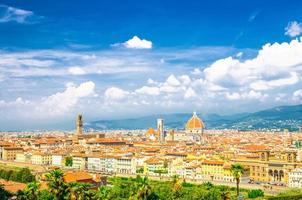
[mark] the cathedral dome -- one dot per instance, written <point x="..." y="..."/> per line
<point x="151" y="131"/>
<point x="194" y="123"/>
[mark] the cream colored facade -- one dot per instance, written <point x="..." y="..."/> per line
<point x="79" y="162"/>
<point x="9" y="153"/>
<point x="295" y="178"/>
<point x="267" y="168"/>
<point x="23" y="157"/>
<point x="41" y="159"/>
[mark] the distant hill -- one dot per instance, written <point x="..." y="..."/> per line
<point x="283" y="117"/>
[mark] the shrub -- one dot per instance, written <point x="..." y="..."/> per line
<point x="255" y="193"/>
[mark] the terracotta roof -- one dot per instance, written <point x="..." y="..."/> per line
<point x="151" y="131"/>
<point x="194" y="123"/>
<point x="12" y="186"/>
<point x="254" y="147"/>
<point x="213" y="162"/>
<point x="76" y="176"/>
<point x="13" y="148"/>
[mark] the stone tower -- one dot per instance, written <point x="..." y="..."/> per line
<point x="160" y="130"/>
<point x="79" y="125"/>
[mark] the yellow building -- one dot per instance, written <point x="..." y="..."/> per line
<point x="216" y="170"/>
<point x="39" y="158"/>
<point x="270" y="168"/>
<point x="9" y="153"/>
<point x="20" y="157"/>
<point x="153" y="165"/>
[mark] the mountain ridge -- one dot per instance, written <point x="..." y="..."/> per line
<point x="277" y="118"/>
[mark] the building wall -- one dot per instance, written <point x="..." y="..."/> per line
<point x="295" y="179"/>
<point x="57" y="160"/>
<point x="10" y="154"/>
<point x="79" y="163"/>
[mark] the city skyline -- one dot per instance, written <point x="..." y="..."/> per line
<point x="109" y="60"/>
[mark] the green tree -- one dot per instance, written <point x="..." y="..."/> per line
<point x="255" y="193"/>
<point x="25" y="176"/>
<point x="68" y="161"/>
<point x="140" y="170"/>
<point x="32" y="191"/>
<point x="56" y="184"/>
<point x="144" y="188"/>
<point x="4" y="195"/>
<point x="21" y="195"/>
<point x="176" y="187"/>
<point x="46" y="195"/>
<point x="103" y="193"/>
<point x="208" y="185"/>
<point x="8" y="175"/>
<point x="225" y="193"/>
<point x="237" y="171"/>
<point x="79" y="191"/>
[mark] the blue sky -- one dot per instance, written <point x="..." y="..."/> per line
<point x="111" y="59"/>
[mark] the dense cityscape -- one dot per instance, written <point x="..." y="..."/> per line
<point x="150" y="100"/>
<point x="271" y="161"/>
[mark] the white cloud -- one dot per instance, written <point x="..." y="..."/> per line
<point x="276" y="65"/>
<point x="171" y="85"/>
<point x="233" y="96"/>
<point x="185" y="79"/>
<point x="115" y="94"/>
<point x="14" y="14"/>
<point x="249" y="84"/>
<point x="62" y="102"/>
<point x="151" y="81"/>
<point x="196" y="71"/>
<point x="245" y="95"/>
<point x="153" y="91"/>
<point x="265" y="85"/>
<point x="76" y="71"/>
<point x="190" y="93"/>
<point x="136" y="43"/>
<point x="297" y="95"/>
<point x="172" y="81"/>
<point x="293" y="29"/>
<point x="60" y="63"/>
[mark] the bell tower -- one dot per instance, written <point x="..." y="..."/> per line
<point x="79" y="123"/>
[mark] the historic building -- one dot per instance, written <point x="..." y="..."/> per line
<point x="295" y="178"/>
<point x="265" y="167"/>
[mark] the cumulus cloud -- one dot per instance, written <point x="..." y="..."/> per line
<point x="173" y="86"/>
<point x="276" y="65"/>
<point x="266" y="85"/>
<point x="136" y="43"/>
<point x="293" y="29"/>
<point x="196" y="71"/>
<point x="153" y="91"/>
<point x="59" y="104"/>
<point x="115" y="94"/>
<point x="62" y="102"/>
<point x="190" y="93"/>
<point x="255" y="81"/>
